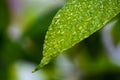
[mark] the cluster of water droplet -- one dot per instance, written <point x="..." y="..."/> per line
<point x="75" y="22"/>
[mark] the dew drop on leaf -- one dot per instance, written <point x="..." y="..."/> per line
<point x="77" y="20"/>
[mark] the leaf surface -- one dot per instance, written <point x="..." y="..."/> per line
<point x="77" y="20"/>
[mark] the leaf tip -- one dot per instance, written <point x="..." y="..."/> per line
<point x="36" y="69"/>
<point x="43" y="62"/>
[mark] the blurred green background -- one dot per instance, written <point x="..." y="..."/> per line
<point x="23" y="25"/>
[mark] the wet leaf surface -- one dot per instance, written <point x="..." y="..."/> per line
<point x="77" y="20"/>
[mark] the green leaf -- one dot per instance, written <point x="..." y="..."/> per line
<point x="77" y="20"/>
